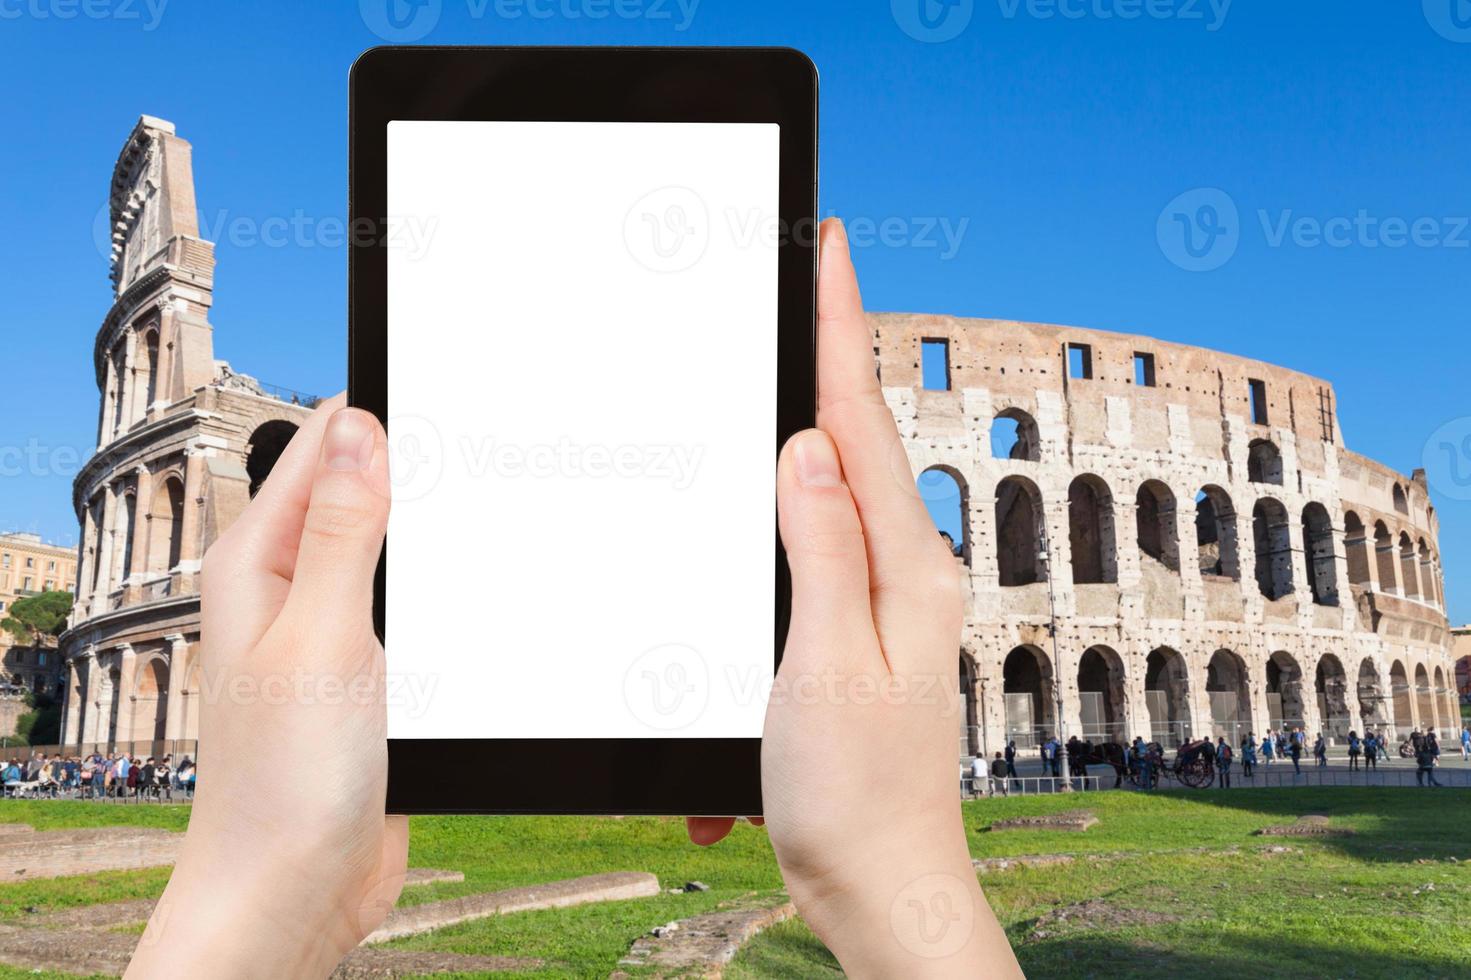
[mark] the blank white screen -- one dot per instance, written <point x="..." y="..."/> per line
<point x="582" y="327"/>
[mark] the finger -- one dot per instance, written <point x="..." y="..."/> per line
<point x="851" y="408"/>
<point x="705" y="831"/>
<point x="251" y="565"/>
<point x="832" y="621"/>
<point x="342" y="531"/>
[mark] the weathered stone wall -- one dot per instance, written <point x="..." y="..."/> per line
<point x="1211" y="541"/>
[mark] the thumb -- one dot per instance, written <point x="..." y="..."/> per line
<point x="827" y="554"/>
<point x="346" y="517"/>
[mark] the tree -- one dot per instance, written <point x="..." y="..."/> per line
<point x="37" y="618"/>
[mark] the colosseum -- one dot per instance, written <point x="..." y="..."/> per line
<point x="1163" y="540"/>
<point x="182" y="444"/>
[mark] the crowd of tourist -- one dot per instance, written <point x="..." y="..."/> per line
<point x="119" y="776"/>
<point x="1142" y="758"/>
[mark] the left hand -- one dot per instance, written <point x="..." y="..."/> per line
<point x="289" y="860"/>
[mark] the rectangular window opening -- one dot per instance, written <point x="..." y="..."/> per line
<point x="1258" y="401"/>
<point x="935" y="364"/>
<point x="1144" y="370"/>
<point x="1080" y="361"/>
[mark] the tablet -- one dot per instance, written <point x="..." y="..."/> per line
<point x="581" y="299"/>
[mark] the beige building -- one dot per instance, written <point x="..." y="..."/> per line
<point x="182" y="444"/>
<point x="1217" y="559"/>
<point x="29" y="566"/>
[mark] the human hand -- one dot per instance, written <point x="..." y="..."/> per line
<point x="289" y="860"/>
<point x="858" y="763"/>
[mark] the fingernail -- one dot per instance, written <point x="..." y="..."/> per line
<point x="839" y="232"/>
<point x="348" y="444"/>
<point x="817" y="461"/>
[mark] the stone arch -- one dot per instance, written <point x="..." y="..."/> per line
<point x="1228" y="686"/>
<point x="1091" y="531"/>
<point x="1399" y="689"/>
<point x="1154" y="512"/>
<point x="1014" y="436"/>
<point x="1356" y="546"/>
<point x="1448" y="720"/>
<point x="1215" y="533"/>
<point x="1284" y="691"/>
<point x="1263" y="462"/>
<point x="1167" y="696"/>
<point x="166" y="525"/>
<point x="970" y="725"/>
<point x="148" y="384"/>
<point x="128" y="514"/>
<point x="1424" y="700"/>
<point x="1372" y="700"/>
<point x="150" y="699"/>
<point x="1401" y="501"/>
<point x="1027" y="687"/>
<point x="1319" y="553"/>
<point x="1020" y="532"/>
<point x="947" y="498"/>
<point x="1407" y="561"/>
<point x="1427" y="574"/>
<point x="1384" y="558"/>
<point x="264" y="447"/>
<point x="1273" y="541"/>
<point x="1331" y="685"/>
<point x="1103" y="703"/>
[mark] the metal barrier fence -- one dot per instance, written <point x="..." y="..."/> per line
<point x="1278" y="775"/>
<point x="978" y="786"/>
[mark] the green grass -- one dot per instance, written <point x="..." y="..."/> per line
<point x="1184" y="887"/>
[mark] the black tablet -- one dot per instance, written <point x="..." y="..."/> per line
<point x="581" y="298"/>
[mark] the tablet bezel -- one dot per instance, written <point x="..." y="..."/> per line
<point x="761" y="85"/>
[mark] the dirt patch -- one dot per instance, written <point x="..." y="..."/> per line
<point x="1312" y="825"/>
<point x="1072" y="820"/>
<point x="1094" y="914"/>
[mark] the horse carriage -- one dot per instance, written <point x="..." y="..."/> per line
<point x="1194" y="765"/>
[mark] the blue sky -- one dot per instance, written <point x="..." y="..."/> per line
<point x="1042" y="141"/>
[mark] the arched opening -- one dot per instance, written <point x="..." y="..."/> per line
<point x="1284" y="691"/>
<point x="1215" y="534"/>
<point x="1166" y="695"/>
<point x="1273" y="541"/>
<point x="1317" y="547"/>
<point x="1373" y="712"/>
<point x="1384" y="558"/>
<point x="150" y="361"/>
<point x="1229" y="690"/>
<point x="1449" y="720"/>
<point x="1401" y="502"/>
<point x="1014" y="436"/>
<point x="119" y="375"/>
<point x="151" y="698"/>
<point x="1101" y="698"/>
<point x="1424" y="699"/>
<point x="166" y="526"/>
<point x="187" y="724"/>
<point x="1027" y="690"/>
<point x="1091" y="531"/>
<point x="1408" y="561"/>
<point x="1427" y="574"/>
<point x="1332" y="689"/>
<point x="129" y="532"/>
<point x="1399" y="688"/>
<point x="946" y="498"/>
<point x="1154" y="512"/>
<point x="1263" y="462"/>
<point x="970" y="727"/>
<point x="1019" y="532"/>
<point x="1356" y="545"/>
<point x="266" y="445"/>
